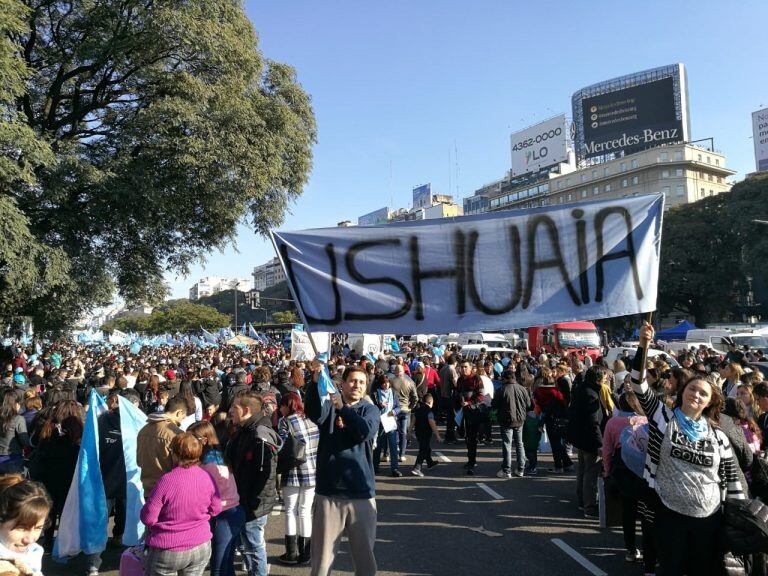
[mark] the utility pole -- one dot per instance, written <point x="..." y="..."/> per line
<point x="235" y="291"/>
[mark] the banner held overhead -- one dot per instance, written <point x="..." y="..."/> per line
<point x="492" y="271"/>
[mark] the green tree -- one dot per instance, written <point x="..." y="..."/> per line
<point x="284" y="317"/>
<point x="709" y="249"/>
<point x="140" y="134"/>
<point x="172" y="316"/>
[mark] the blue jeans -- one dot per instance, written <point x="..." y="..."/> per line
<point x="403" y="420"/>
<point x="386" y="439"/>
<point x="507" y="436"/>
<point x="255" y="547"/>
<point x="226" y="531"/>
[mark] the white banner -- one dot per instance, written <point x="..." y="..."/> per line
<point x="760" y="138"/>
<point x="301" y="347"/>
<point x="541" y="145"/>
<point x="500" y="270"/>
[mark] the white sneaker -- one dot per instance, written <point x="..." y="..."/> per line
<point x="402" y="458"/>
<point x="502" y="474"/>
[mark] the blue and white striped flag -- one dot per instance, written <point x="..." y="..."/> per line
<point x="131" y="421"/>
<point x="85" y="510"/>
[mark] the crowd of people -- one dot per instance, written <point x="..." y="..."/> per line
<point x="232" y="432"/>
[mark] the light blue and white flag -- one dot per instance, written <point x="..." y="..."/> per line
<point x="85" y="510"/>
<point x="325" y="388"/>
<point x="244" y="329"/>
<point x="131" y="421"/>
<point x="208" y="337"/>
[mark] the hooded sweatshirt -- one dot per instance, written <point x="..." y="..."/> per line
<point x="153" y="449"/>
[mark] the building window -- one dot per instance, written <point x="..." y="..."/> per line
<point x="605" y="172"/>
<point x="634" y="163"/>
<point x="680" y="190"/>
<point x="664" y="156"/>
<point x="702" y="193"/>
<point x="709" y="160"/>
<point x="665" y="190"/>
<point x="607" y="187"/>
<point x="679" y="172"/>
<point x="584" y="193"/>
<point x="623" y="167"/>
<point x="595" y="191"/>
<point x="665" y="173"/>
<point x="624" y="182"/>
<point x="710" y="177"/>
<point x="569" y="197"/>
<point x="583" y="177"/>
<point x="635" y="179"/>
<point x="711" y="193"/>
<point x="679" y="155"/>
<point x="560" y="200"/>
<point x="717" y="162"/>
<point x="719" y="180"/>
<point x="594" y="174"/>
<point x="699" y="157"/>
<point x="559" y="184"/>
<point x="567" y="181"/>
<point x="701" y="175"/>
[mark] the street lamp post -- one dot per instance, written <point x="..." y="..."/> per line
<point x="235" y="293"/>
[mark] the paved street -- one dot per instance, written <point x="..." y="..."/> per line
<point x="447" y="523"/>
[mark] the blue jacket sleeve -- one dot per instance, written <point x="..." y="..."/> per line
<point x="364" y="426"/>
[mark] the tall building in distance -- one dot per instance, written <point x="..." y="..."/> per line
<point x="267" y="275"/>
<point x="425" y="206"/>
<point x="213" y="284"/>
<point x="629" y="136"/>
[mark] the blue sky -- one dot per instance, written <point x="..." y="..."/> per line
<point x="397" y="85"/>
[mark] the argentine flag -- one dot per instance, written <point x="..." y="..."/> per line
<point x="84" y="518"/>
<point x="131" y="421"/>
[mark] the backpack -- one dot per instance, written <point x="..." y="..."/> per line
<point x="745" y="526"/>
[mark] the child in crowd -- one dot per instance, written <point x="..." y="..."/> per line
<point x="425" y="428"/>
<point x="531" y="439"/>
<point x="24" y="508"/>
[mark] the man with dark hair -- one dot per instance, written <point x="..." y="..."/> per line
<point x="512" y="403"/>
<point x="448" y="379"/>
<point x="153" y="445"/>
<point x="252" y="455"/>
<point x="345" y="492"/>
<point x="469" y="399"/>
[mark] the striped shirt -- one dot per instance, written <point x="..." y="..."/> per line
<point x="659" y="419"/>
<point x="306" y="431"/>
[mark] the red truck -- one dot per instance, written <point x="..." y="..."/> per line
<point x="564" y="338"/>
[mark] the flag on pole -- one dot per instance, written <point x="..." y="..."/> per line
<point x="252" y="332"/>
<point x="208" y="337"/>
<point x="244" y="329"/>
<point x="85" y="510"/>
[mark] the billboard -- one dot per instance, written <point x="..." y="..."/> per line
<point x="541" y="145"/>
<point x="634" y="117"/>
<point x="760" y="136"/>
<point x="422" y="196"/>
<point x="380" y="216"/>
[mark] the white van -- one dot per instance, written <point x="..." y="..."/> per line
<point x="712" y="337"/>
<point x="487" y="339"/>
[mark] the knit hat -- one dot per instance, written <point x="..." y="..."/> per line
<point x="19" y="379"/>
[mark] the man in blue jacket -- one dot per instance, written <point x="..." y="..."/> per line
<point x="345" y="501"/>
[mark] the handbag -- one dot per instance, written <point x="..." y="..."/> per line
<point x="292" y="454"/>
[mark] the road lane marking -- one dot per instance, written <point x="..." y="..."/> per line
<point x="578" y="557"/>
<point x="443" y="457"/>
<point x="495" y="495"/>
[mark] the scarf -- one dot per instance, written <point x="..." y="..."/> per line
<point x="385" y="399"/>
<point x="694" y="430"/>
<point x="606" y="399"/>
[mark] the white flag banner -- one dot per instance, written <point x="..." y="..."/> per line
<point x="500" y="270"/>
<point x="301" y="347"/>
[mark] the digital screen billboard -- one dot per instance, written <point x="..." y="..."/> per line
<point x="539" y="146"/>
<point x="422" y="196"/>
<point x="635" y="117"/>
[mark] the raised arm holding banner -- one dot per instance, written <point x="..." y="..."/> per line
<point x="491" y="271"/>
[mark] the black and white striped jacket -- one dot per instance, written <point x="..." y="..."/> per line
<point x="659" y="416"/>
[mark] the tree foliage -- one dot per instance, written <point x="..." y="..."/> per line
<point x="224" y="302"/>
<point x="135" y="135"/>
<point x="284" y="317"/>
<point x="712" y="250"/>
<point x="172" y="316"/>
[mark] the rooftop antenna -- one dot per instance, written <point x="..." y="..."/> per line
<point x="450" y="170"/>
<point x="456" y="158"/>
<point x="391" y="198"/>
